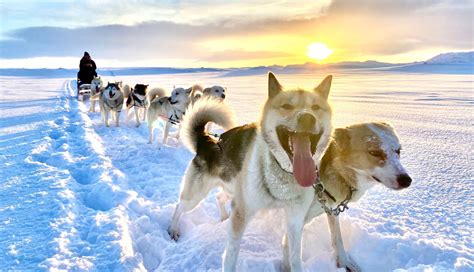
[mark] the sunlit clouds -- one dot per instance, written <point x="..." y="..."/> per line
<point x="231" y="34"/>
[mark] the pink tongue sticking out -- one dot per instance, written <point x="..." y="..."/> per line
<point x="304" y="168"/>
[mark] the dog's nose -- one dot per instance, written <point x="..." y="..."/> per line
<point x="404" y="180"/>
<point x="306" y="121"/>
<point x="223" y="96"/>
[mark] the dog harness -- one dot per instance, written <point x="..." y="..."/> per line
<point x="114" y="104"/>
<point x="135" y="101"/>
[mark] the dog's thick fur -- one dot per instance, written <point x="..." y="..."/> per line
<point x="97" y="86"/>
<point x="111" y="100"/>
<point x="170" y="108"/>
<point x="136" y="98"/>
<point x="359" y="156"/>
<point x="255" y="163"/>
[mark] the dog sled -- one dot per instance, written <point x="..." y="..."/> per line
<point x="83" y="90"/>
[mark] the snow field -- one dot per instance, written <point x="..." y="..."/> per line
<point x="80" y="196"/>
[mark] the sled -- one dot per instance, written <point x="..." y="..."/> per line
<point x="83" y="90"/>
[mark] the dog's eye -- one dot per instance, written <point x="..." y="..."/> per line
<point x="315" y="107"/>
<point x="217" y="91"/>
<point x="376" y="153"/>
<point x="287" y="107"/>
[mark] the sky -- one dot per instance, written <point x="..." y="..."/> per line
<point x="209" y="33"/>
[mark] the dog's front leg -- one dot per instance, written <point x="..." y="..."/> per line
<point x="150" y="131"/>
<point x="222" y="198"/>
<point x="285" y="262"/>
<point x="238" y="221"/>
<point x="343" y="260"/>
<point x="144" y="114"/>
<point x="135" y="109"/>
<point x="117" y="118"/>
<point x="106" y="118"/>
<point x="295" y="224"/>
<point x="166" y="132"/>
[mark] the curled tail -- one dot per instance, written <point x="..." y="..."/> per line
<point x="126" y="90"/>
<point x="154" y="94"/>
<point x="203" y="111"/>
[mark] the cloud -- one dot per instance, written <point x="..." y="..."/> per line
<point x="208" y="32"/>
<point x="232" y="55"/>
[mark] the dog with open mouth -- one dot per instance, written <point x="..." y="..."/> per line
<point x="97" y="85"/>
<point x="269" y="164"/>
<point x="359" y="156"/>
<point x="111" y="100"/>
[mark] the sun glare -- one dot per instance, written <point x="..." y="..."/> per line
<point x="318" y="51"/>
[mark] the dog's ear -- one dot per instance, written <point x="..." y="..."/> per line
<point x="324" y="87"/>
<point x="343" y="138"/>
<point x="206" y="90"/>
<point x="189" y="90"/>
<point x="274" y="86"/>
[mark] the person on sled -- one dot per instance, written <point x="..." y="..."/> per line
<point x="87" y="70"/>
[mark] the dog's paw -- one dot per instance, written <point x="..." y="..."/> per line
<point x="138" y="125"/>
<point x="174" y="234"/>
<point x="347" y="263"/>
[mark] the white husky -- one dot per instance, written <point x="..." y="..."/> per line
<point x="169" y="108"/>
<point x="97" y="86"/>
<point x="271" y="164"/>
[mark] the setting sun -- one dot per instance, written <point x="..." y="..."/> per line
<point x="318" y="51"/>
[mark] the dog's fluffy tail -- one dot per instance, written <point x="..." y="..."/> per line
<point x="126" y="90"/>
<point x="154" y="94"/>
<point x="203" y="111"/>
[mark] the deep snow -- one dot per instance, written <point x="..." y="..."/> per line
<point x="79" y="196"/>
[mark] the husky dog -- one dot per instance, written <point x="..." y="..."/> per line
<point x="270" y="164"/>
<point x="111" y="99"/>
<point x="171" y="108"/>
<point x="358" y="157"/>
<point x="135" y="99"/>
<point x="97" y="85"/>
<point x="215" y="91"/>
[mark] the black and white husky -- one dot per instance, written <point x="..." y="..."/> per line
<point x="135" y="98"/>
<point x="111" y="100"/>
<point x="270" y="164"/>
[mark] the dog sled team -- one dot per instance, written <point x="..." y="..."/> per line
<point x="152" y="104"/>
<point x="291" y="158"/>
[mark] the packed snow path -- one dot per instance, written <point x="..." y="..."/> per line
<point x="76" y="195"/>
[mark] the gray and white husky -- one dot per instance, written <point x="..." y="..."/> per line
<point x="359" y="157"/>
<point x="266" y="165"/>
<point x="97" y="85"/>
<point x="111" y="100"/>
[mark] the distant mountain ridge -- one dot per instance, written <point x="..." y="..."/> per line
<point x="447" y="63"/>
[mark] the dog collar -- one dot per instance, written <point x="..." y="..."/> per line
<point x="319" y="189"/>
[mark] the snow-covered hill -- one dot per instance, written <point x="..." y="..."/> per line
<point x="75" y="195"/>
<point x="453" y="58"/>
